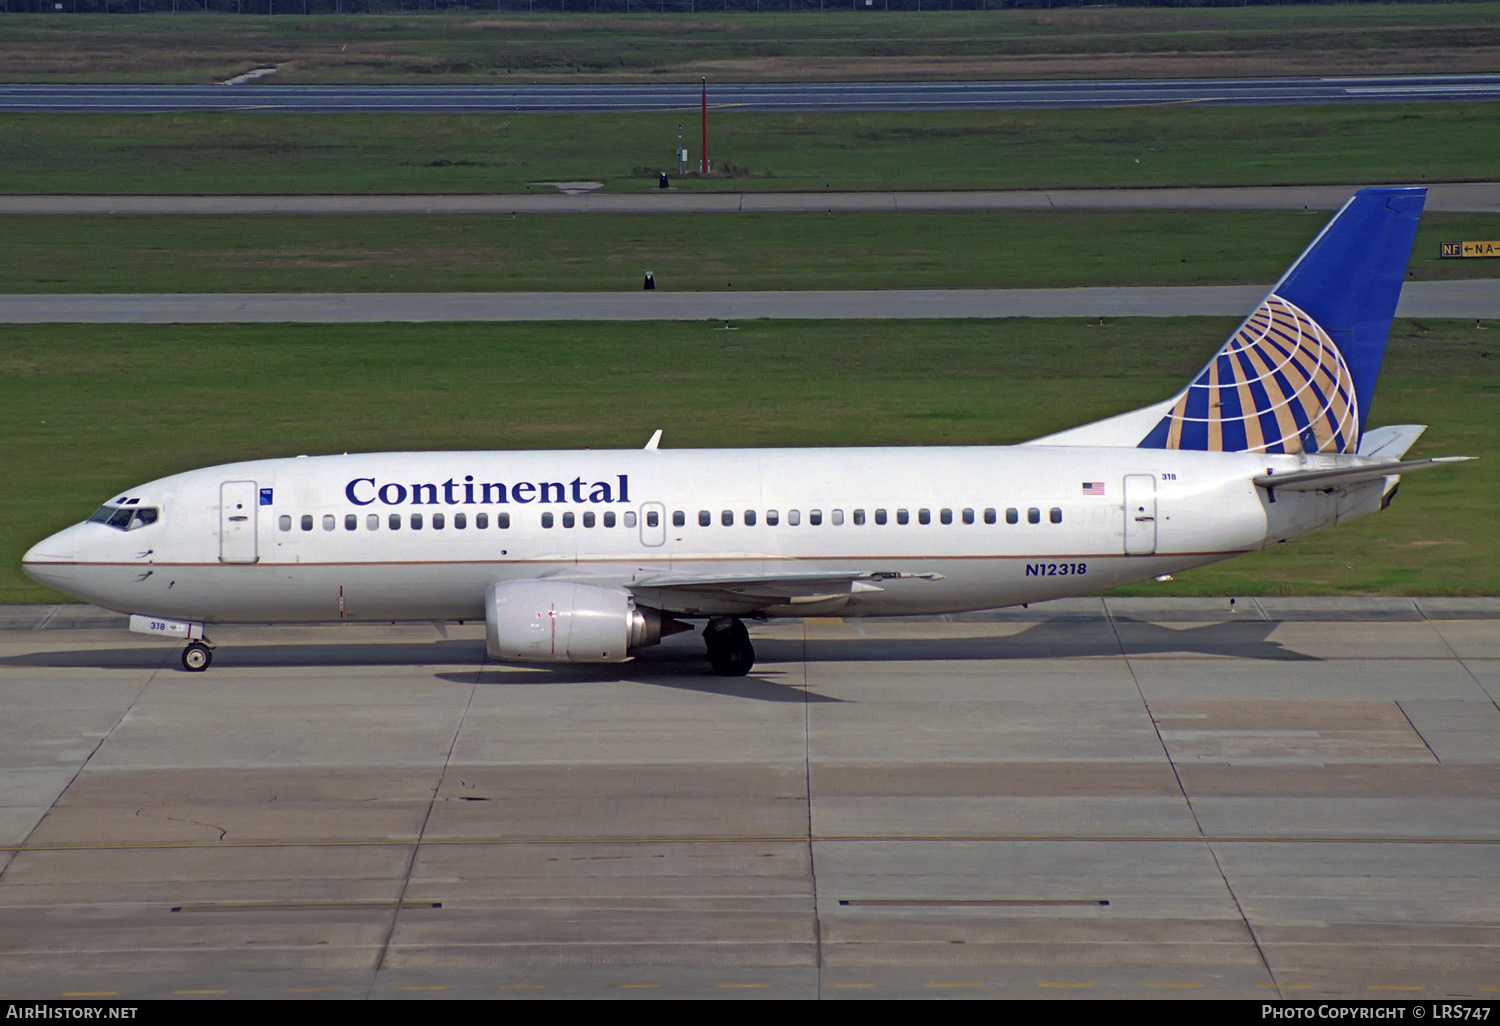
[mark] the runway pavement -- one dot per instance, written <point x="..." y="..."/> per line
<point x="1137" y="798"/>
<point x="1460" y="197"/>
<point x="1479" y="299"/>
<point x="762" y="96"/>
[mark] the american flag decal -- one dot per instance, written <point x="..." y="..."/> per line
<point x="1093" y="488"/>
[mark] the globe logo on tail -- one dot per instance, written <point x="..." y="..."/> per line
<point x="1278" y="385"/>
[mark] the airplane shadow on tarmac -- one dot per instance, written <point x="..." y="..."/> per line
<point x="682" y="663"/>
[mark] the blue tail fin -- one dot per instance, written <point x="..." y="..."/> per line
<point x="1299" y="373"/>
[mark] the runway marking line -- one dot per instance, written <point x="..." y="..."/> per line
<point x="1176" y="986"/>
<point x="200" y="992"/>
<point x="522" y="986"/>
<point x="1394" y="986"/>
<point x="306" y="990"/>
<point x="957" y="983"/>
<point x="741" y="986"/>
<point x="90" y="993"/>
<point x="1077" y="986"/>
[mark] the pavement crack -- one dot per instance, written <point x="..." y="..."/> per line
<point x="812" y="865"/>
<point x="1197" y="823"/>
<point x="1414" y="730"/>
<point x="13" y="852"/>
<point x="411" y="862"/>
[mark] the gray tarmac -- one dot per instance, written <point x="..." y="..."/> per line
<point x="1292" y="797"/>
<point x="1479" y="299"/>
<point x="745" y="96"/>
<point x="581" y="198"/>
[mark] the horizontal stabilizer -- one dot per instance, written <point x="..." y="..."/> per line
<point x="1390" y="442"/>
<point x="1348" y="477"/>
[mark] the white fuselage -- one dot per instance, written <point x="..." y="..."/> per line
<point x="313" y="539"/>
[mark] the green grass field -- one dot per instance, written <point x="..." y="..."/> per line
<point x="603" y="252"/>
<point x="250" y="152"/>
<point x="87" y="410"/>
<point x="483" y="45"/>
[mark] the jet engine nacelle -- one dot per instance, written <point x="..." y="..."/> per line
<point x="562" y="622"/>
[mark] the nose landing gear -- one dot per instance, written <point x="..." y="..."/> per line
<point x="729" y="649"/>
<point x="197" y="657"/>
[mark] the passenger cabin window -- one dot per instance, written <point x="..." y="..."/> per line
<point x="502" y="521"/>
<point x="749" y="518"/>
<point x="793" y="517"/>
<point x="652" y="520"/>
<point x="815" y="517"/>
<point x="705" y="518"/>
<point x="588" y="519"/>
<point x="1055" y="515"/>
<point x="630" y="518"/>
<point x="837" y="517"/>
<point x="439" y="521"/>
<point x="416" y="521"/>
<point x="307" y="521"/>
<point x="460" y="521"/>
<point x="395" y="522"/>
<point x="482" y="521"/>
<point x="351" y="521"/>
<point x="1033" y="515"/>
<point x="903" y="517"/>
<point x="989" y="515"/>
<point x="1011" y="516"/>
<point x="946" y="516"/>
<point x="373" y="521"/>
<point x="285" y="522"/>
<point x="859" y="518"/>
<point x="329" y="523"/>
<point x="546" y="519"/>
<point x="727" y="518"/>
<point x="880" y="517"/>
<point x="568" y="519"/>
<point x="772" y="518"/>
<point x="924" y="516"/>
<point x="679" y="519"/>
<point x="609" y="518"/>
<point x="968" y="516"/>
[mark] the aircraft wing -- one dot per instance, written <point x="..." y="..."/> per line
<point x="738" y="594"/>
<point x="1347" y="477"/>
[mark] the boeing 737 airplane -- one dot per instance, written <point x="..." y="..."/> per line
<point x="590" y="556"/>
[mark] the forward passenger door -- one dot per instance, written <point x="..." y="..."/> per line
<point x="237" y="522"/>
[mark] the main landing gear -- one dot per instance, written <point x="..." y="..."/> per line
<point x="729" y="649"/>
<point x="197" y="657"/>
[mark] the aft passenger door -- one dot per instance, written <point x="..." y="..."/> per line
<point x="237" y="529"/>
<point x="1140" y="515"/>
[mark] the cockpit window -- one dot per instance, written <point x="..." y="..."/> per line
<point x="125" y="518"/>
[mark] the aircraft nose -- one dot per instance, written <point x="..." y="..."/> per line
<point x="59" y="548"/>
<point x="49" y="555"/>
